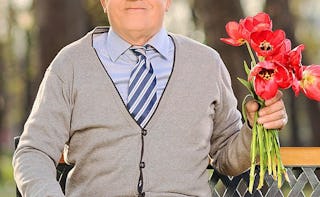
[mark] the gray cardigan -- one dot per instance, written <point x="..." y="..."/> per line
<point x="79" y="110"/>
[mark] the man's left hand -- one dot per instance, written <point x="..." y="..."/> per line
<point x="272" y="116"/>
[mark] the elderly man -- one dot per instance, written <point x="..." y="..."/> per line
<point x="138" y="111"/>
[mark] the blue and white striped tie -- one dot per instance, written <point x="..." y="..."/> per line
<point x="142" y="93"/>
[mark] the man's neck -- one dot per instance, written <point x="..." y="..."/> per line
<point x="137" y="38"/>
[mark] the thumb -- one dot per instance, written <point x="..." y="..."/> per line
<point x="251" y="108"/>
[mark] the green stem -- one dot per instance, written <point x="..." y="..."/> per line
<point x="262" y="155"/>
<point x="280" y="166"/>
<point x="276" y="146"/>
<point x="268" y="150"/>
<point x="275" y="153"/>
<point x="251" y="53"/>
<point x="244" y="114"/>
<point x="253" y="153"/>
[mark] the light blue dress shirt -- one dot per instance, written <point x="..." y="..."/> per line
<point x="119" y="60"/>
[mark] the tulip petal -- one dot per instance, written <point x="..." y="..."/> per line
<point x="310" y="83"/>
<point x="265" y="89"/>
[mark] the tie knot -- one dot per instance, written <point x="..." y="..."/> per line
<point x="139" y="50"/>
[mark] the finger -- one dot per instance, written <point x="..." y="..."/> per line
<point x="252" y="106"/>
<point x="275" y="107"/>
<point x="275" y="116"/>
<point x="278" y="124"/>
<point x="276" y="98"/>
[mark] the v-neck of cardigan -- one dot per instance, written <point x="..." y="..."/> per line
<point x="117" y="96"/>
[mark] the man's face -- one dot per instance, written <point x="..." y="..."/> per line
<point x="136" y="15"/>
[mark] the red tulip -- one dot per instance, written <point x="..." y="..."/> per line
<point x="294" y="61"/>
<point x="282" y="54"/>
<point x="310" y="83"/>
<point x="268" y="78"/>
<point x="259" y="22"/>
<point x="234" y="30"/>
<point x="295" y="85"/>
<point x="267" y="43"/>
<point x="278" y="66"/>
<point x="240" y="32"/>
<point x="262" y="21"/>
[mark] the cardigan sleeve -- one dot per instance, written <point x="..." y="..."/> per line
<point x="230" y="141"/>
<point x="42" y="141"/>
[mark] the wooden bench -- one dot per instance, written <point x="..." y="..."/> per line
<point x="303" y="168"/>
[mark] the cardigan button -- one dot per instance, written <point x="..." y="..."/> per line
<point x="142" y="165"/>
<point x="144" y="132"/>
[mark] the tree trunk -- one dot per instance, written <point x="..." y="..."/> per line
<point x="214" y="14"/>
<point x="313" y="109"/>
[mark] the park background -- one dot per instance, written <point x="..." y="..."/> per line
<point x="33" y="31"/>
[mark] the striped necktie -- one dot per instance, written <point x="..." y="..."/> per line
<point x="142" y="93"/>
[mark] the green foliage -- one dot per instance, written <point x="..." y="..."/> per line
<point x="7" y="184"/>
<point x="246" y="67"/>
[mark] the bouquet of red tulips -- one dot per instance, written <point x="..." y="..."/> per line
<point x="274" y="65"/>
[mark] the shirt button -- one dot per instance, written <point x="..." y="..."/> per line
<point x="142" y="165"/>
<point x="144" y="132"/>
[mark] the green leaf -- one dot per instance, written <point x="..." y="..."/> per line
<point x="253" y="64"/>
<point x="246" y="68"/>
<point x="249" y="86"/>
<point x="243" y="107"/>
<point x="245" y="83"/>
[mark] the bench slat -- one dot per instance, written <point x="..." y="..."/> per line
<point x="300" y="156"/>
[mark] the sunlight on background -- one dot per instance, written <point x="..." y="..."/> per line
<point x="3" y="19"/>
<point x="22" y="4"/>
<point x="308" y="26"/>
<point x="179" y="17"/>
<point x="179" y="20"/>
<point x="251" y="7"/>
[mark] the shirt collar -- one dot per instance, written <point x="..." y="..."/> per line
<point x="161" y="42"/>
<point x="116" y="46"/>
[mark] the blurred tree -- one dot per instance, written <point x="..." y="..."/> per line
<point x="214" y="14"/>
<point x="2" y="95"/>
<point x="28" y="75"/>
<point x="313" y="109"/>
<point x="7" y="69"/>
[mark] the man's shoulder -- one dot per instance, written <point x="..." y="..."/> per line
<point x="185" y="39"/>
<point x="76" y="54"/>
<point x="188" y="44"/>
<point x="84" y="43"/>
